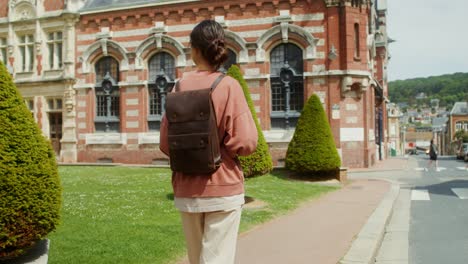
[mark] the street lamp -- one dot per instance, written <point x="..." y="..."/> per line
<point x="108" y="85"/>
<point x="162" y="83"/>
<point x="286" y="76"/>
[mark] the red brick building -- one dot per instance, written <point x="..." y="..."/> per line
<point x="337" y="49"/>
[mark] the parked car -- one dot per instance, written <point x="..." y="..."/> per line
<point x="461" y="153"/>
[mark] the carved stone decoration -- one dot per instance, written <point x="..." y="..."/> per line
<point x="354" y="88"/>
<point x="364" y="85"/>
<point x="158" y="41"/>
<point x="23" y="9"/>
<point x="38" y="47"/>
<point x="104" y="46"/>
<point x="346" y="84"/>
<point x="69" y="103"/>
<point x="284" y="31"/>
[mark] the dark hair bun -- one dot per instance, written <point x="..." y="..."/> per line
<point x="208" y="37"/>
<point x="216" y="53"/>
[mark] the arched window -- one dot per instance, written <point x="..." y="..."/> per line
<point x="107" y="95"/>
<point x="284" y="112"/>
<point x="161" y="63"/>
<point x="232" y="59"/>
<point x="356" y="41"/>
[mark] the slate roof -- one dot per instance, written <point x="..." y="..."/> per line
<point x="95" y="5"/>
<point x="460" y="108"/>
<point x="439" y="122"/>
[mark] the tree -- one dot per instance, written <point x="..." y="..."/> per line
<point x="259" y="162"/>
<point x="461" y="135"/>
<point x="30" y="192"/>
<point x="449" y="88"/>
<point x="312" y="149"/>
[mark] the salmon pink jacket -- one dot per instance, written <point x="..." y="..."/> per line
<point x="236" y="128"/>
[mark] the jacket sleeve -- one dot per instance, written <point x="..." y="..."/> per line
<point x="241" y="133"/>
<point x="163" y="141"/>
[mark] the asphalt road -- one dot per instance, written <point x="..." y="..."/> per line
<point x="429" y="224"/>
<point x="438" y="230"/>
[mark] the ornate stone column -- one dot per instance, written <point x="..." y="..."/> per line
<point x="68" y="152"/>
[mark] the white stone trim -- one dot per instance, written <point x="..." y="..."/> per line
<point x="148" y="138"/>
<point x="257" y="77"/>
<point x="278" y="136"/>
<point x="338" y="73"/>
<point x="138" y="6"/>
<point x="244" y="53"/>
<point x="83" y="86"/>
<point x="106" y="138"/>
<point x="103" y="44"/>
<point x="157" y="39"/>
<point x="284" y="28"/>
<point x="127" y="84"/>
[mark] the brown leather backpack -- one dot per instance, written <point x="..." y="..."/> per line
<point x="194" y="146"/>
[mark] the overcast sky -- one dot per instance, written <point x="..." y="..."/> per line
<point x="431" y="37"/>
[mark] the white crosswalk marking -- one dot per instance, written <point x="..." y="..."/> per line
<point x="420" y="195"/>
<point x="441" y="168"/>
<point x="461" y="168"/>
<point x="462" y="193"/>
<point x="418" y="169"/>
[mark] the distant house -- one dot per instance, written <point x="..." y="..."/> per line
<point x="439" y="129"/>
<point x="421" y="96"/>
<point x="458" y="119"/>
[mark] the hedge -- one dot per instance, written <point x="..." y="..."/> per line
<point x="30" y="191"/>
<point x="312" y="148"/>
<point x="259" y="162"/>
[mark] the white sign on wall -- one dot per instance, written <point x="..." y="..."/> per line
<point x="352" y="134"/>
<point x="336" y="114"/>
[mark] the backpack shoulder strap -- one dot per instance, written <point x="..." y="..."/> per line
<point x="176" y="86"/>
<point x="217" y="81"/>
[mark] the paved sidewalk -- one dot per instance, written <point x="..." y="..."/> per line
<point x="390" y="164"/>
<point x="321" y="231"/>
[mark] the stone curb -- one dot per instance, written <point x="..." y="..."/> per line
<point x="367" y="243"/>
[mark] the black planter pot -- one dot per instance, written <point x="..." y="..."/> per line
<point x="38" y="254"/>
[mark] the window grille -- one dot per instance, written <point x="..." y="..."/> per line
<point x="107" y="65"/>
<point x="160" y="62"/>
<point x="291" y="54"/>
<point x="107" y="118"/>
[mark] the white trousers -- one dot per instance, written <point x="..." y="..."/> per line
<point x="211" y="237"/>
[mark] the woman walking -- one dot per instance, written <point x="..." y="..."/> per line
<point x="432" y="156"/>
<point x="210" y="204"/>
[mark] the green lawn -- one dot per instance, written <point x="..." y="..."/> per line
<point x="126" y="215"/>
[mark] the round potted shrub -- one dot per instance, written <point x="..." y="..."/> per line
<point x="312" y="150"/>
<point x="30" y="192"/>
<point x="259" y="162"/>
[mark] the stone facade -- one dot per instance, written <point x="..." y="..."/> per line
<point x="39" y="37"/>
<point x="338" y="50"/>
<point x="394" y="135"/>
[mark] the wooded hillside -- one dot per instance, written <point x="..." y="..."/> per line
<point x="449" y="88"/>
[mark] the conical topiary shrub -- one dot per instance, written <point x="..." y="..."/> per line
<point x="30" y="192"/>
<point x="259" y="162"/>
<point x="312" y="149"/>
